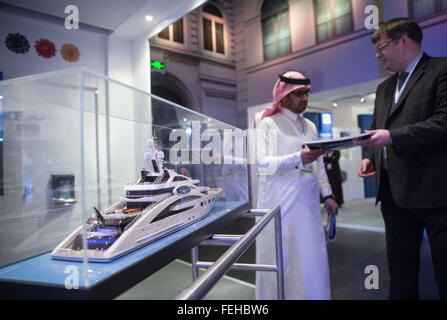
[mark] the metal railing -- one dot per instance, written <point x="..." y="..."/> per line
<point x="239" y="244"/>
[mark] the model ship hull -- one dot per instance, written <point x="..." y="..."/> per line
<point x="150" y="224"/>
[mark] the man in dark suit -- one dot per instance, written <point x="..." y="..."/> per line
<point x="407" y="152"/>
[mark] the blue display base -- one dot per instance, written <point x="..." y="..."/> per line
<point x="44" y="271"/>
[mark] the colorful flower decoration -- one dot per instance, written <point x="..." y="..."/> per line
<point x="17" y="43"/>
<point x="70" y="52"/>
<point x="45" y="48"/>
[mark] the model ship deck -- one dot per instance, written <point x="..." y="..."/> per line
<point x="160" y="203"/>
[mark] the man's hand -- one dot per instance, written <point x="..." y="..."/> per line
<point x="366" y="168"/>
<point x="309" y="156"/>
<point x="331" y="206"/>
<point x="379" y="138"/>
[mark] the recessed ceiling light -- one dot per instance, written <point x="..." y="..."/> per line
<point x="335" y="105"/>
<point x="148" y="18"/>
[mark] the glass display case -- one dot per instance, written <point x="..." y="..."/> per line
<point x="71" y="141"/>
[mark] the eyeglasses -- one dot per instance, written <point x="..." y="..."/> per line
<point x="384" y="45"/>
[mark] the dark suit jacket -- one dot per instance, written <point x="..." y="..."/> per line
<point x="332" y="166"/>
<point x="417" y="159"/>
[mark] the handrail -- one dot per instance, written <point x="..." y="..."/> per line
<point x="205" y="282"/>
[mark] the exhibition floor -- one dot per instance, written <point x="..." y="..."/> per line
<point x="360" y="242"/>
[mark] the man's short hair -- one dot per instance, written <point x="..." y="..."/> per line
<point x="398" y="27"/>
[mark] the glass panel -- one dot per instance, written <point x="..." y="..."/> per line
<point x="339" y="15"/>
<point x="342" y="7"/>
<point x="270" y="51"/>
<point x="164" y="34"/>
<point x="219" y="38"/>
<point x="324" y="15"/>
<point x="268" y="31"/>
<point x="272" y="7"/>
<point x="283" y="18"/>
<point x="178" y="31"/>
<point x="284" y="46"/>
<point x="283" y="33"/>
<point x="283" y="25"/>
<point x="268" y="28"/>
<point x="320" y="3"/>
<point x="207" y="35"/>
<point x="343" y="24"/>
<point x="276" y="32"/>
<point x="423" y="8"/>
<point x="324" y="31"/>
<point x="44" y="161"/>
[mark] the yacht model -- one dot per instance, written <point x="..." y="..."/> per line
<point x="159" y="203"/>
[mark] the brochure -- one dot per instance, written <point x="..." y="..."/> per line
<point x="337" y="144"/>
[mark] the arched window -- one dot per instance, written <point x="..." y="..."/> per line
<point x="213" y="29"/>
<point x="333" y="17"/>
<point x="275" y="28"/>
<point x="424" y="8"/>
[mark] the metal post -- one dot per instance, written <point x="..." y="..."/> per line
<point x="279" y="260"/>
<point x="98" y="171"/>
<point x="205" y="282"/>
<point x="221" y="240"/>
<point x="194" y="258"/>
<point x="84" y="214"/>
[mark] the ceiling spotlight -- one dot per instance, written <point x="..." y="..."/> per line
<point x="185" y="119"/>
<point x="335" y="104"/>
<point x="362" y="100"/>
<point x="148" y="18"/>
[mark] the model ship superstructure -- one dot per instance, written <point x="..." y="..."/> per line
<point x="159" y="203"/>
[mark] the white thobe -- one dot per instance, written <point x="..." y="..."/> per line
<point x="284" y="180"/>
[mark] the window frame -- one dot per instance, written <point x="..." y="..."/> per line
<point x="171" y="41"/>
<point x="275" y="15"/>
<point x="214" y="19"/>
<point x="333" y="26"/>
<point x="428" y="16"/>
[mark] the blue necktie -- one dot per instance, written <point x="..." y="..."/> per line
<point x="401" y="79"/>
<point x="400" y="82"/>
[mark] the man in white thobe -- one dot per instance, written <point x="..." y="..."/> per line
<point x="292" y="176"/>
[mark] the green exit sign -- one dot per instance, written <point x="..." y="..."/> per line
<point x="157" y="65"/>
